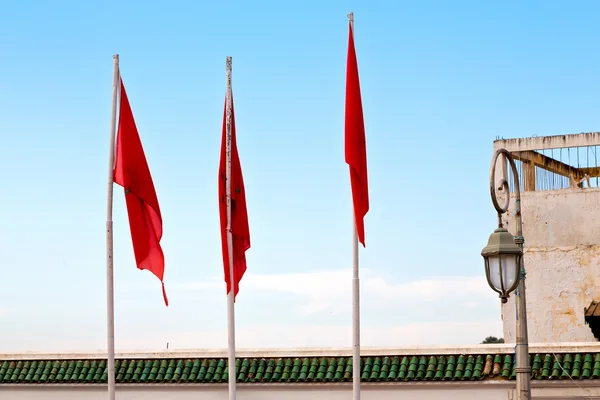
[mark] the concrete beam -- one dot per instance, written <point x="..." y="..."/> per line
<point x="549" y="142"/>
<point x="548" y="163"/>
<point x="592" y="172"/>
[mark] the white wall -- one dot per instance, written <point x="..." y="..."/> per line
<point x="487" y="390"/>
<point x="287" y="392"/>
<point x="562" y="259"/>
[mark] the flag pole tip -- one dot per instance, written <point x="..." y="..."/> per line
<point x="115" y="56"/>
<point x="228" y="62"/>
<point x="351" y="16"/>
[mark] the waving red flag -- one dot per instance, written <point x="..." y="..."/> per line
<point x="355" y="143"/>
<point x="132" y="172"/>
<point x="239" y="215"/>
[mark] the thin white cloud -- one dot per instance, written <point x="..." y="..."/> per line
<point x="392" y="315"/>
<point x="330" y="290"/>
<point x="278" y="336"/>
<point x="470" y="304"/>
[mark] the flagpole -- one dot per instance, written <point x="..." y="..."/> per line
<point x="230" y="295"/>
<point x="355" y="318"/>
<point x="110" y="296"/>
<point x="355" y="296"/>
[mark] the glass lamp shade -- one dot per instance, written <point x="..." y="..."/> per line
<point x="502" y="259"/>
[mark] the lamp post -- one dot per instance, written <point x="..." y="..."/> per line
<point x="505" y="270"/>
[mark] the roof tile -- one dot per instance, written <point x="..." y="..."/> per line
<point x="457" y="367"/>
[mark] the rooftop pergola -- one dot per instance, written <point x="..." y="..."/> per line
<point x="533" y="152"/>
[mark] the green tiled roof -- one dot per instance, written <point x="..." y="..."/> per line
<point x="300" y="370"/>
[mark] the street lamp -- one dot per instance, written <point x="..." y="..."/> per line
<point x="505" y="270"/>
<point x="502" y="259"/>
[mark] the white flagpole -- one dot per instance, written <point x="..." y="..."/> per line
<point x="355" y="296"/>
<point x="230" y="298"/>
<point x="110" y="296"/>
<point x="355" y="319"/>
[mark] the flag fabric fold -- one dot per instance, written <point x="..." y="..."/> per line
<point x="132" y="173"/>
<point x="354" y="141"/>
<point x="239" y="215"/>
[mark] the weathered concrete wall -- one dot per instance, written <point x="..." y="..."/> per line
<point x="562" y="260"/>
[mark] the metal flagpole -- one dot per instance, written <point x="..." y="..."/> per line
<point x="230" y="295"/>
<point x="110" y="296"/>
<point x="355" y="319"/>
<point x="355" y="296"/>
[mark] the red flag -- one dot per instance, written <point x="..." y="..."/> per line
<point x="239" y="214"/>
<point x="355" y="144"/>
<point x="132" y="172"/>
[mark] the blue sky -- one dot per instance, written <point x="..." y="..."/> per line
<point x="440" y="80"/>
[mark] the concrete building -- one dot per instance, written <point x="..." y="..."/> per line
<point x="560" y="203"/>
<point x="483" y="372"/>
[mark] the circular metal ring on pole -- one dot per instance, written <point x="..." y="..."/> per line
<point x="503" y="183"/>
